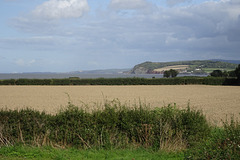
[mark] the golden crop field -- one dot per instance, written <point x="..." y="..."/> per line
<point x="215" y="101"/>
<point x="176" y="67"/>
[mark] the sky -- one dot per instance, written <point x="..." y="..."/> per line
<point x="75" y="35"/>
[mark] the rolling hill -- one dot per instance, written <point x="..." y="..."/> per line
<point x="195" y="67"/>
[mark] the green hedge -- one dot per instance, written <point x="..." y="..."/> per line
<point x="115" y="126"/>
<point x="118" y="126"/>
<point x="125" y="81"/>
<point x="222" y="143"/>
<point x="33" y="82"/>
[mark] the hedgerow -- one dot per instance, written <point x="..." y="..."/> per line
<point x="118" y="126"/>
<point x="114" y="126"/>
<point x="125" y="81"/>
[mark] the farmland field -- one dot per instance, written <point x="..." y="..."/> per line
<point x="176" y="67"/>
<point x="215" y="101"/>
<point x="209" y="70"/>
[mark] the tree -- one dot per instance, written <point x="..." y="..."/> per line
<point x="216" y="73"/>
<point x="166" y="74"/>
<point x="237" y="72"/>
<point x="173" y="73"/>
<point x="232" y="73"/>
<point x="170" y="73"/>
<point x="225" y="74"/>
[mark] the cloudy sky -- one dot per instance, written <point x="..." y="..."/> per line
<point x="71" y="35"/>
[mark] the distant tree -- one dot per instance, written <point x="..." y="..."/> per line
<point x="173" y="73"/>
<point x="170" y="73"/>
<point x="231" y="74"/>
<point x="216" y="73"/>
<point x="225" y="74"/>
<point x="166" y="74"/>
<point x="237" y="72"/>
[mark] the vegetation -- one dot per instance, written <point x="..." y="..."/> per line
<point x="115" y="130"/>
<point x="125" y="81"/>
<point x="171" y="73"/>
<point x="198" y="66"/>
<point x="233" y="73"/>
<point x="49" y="153"/>
<point x="237" y="72"/>
<point x="114" y="126"/>
<point x="222" y="143"/>
<point x="219" y="73"/>
<point x="167" y="74"/>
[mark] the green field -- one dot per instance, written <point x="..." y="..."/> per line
<point x="209" y="70"/>
<point x="49" y="153"/>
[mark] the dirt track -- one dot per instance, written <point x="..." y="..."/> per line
<point x="215" y="101"/>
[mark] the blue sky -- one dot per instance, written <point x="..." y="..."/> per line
<point x="72" y="35"/>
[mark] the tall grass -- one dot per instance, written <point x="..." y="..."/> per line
<point x="112" y="125"/>
<point x="222" y="143"/>
<point x="49" y="153"/>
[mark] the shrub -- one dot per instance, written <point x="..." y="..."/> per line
<point x="7" y="82"/>
<point x="114" y="126"/>
<point x="237" y="72"/>
<point x="33" y="82"/>
<point x="125" y="81"/>
<point x="217" y="73"/>
<point x="223" y="143"/>
<point x="60" y="81"/>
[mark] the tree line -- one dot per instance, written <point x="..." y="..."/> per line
<point x="220" y="73"/>
<point x="216" y="73"/>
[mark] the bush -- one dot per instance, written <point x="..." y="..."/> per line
<point x="113" y="126"/>
<point x="7" y="82"/>
<point x="223" y="143"/>
<point x="33" y="82"/>
<point x="217" y="73"/>
<point x="237" y="72"/>
<point x="60" y="81"/>
<point x="125" y="81"/>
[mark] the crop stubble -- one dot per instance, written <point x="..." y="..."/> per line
<point x="215" y="101"/>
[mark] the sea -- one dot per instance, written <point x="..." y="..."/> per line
<point x="83" y="75"/>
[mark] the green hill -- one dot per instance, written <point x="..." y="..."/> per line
<point x="195" y="66"/>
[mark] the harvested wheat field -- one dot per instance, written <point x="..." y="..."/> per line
<point x="215" y="101"/>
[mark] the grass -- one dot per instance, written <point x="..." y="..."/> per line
<point x="112" y="126"/>
<point x="116" y="131"/>
<point x="49" y="153"/>
<point x="222" y="143"/>
<point x="209" y="70"/>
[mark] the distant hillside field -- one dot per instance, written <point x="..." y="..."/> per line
<point x="180" y="68"/>
<point x="195" y="67"/>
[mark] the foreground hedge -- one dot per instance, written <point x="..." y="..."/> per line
<point x="222" y="143"/>
<point x="125" y="81"/>
<point x="114" y="126"/>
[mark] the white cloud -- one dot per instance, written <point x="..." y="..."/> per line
<point x="57" y="9"/>
<point x="128" y="4"/>
<point x="22" y="62"/>
<point x="201" y="31"/>
<point x="175" y="2"/>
